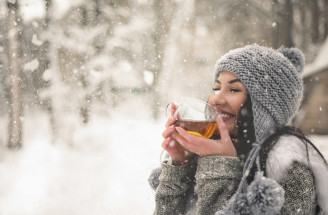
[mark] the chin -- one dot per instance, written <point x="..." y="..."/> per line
<point x="232" y="130"/>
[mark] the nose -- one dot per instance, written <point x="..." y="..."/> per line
<point x="218" y="98"/>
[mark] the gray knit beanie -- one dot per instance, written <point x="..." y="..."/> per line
<point x="272" y="79"/>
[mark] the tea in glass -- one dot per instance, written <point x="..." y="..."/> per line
<point x="198" y="128"/>
<point x="195" y="116"/>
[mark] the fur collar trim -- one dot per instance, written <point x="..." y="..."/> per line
<point x="289" y="149"/>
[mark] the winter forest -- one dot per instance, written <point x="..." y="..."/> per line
<point x="84" y="86"/>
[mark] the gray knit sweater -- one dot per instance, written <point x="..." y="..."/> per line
<point x="205" y="186"/>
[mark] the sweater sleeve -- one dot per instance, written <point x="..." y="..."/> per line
<point x="217" y="179"/>
<point x="171" y="193"/>
<point x="299" y="189"/>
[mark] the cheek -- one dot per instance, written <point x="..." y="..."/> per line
<point x="237" y="102"/>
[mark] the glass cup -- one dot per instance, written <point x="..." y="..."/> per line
<point x="195" y="116"/>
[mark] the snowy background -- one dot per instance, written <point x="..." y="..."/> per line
<point x="104" y="173"/>
<point x="96" y="77"/>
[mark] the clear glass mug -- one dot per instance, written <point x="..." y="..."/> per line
<point x="195" y="116"/>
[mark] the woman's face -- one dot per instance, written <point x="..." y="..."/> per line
<point x="228" y="96"/>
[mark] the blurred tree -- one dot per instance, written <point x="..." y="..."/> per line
<point x="315" y="18"/>
<point x="99" y="51"/>
<point x="303" y="32"/>
<point x="56" y="93"/>
<point x="53" y="95"/>
<point x="163" y="14"/>
<point x="275" y="23"/>
<point x="325" y="15"/>
<point x="168" y="28"/>
<point x="286" y="24"/>
<point x="15" y="105"/>
<point x="3" y="58"/>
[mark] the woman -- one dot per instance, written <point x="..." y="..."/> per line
<point x="258" y="90"/>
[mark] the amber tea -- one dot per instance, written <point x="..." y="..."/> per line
<point x="198" y="128"/>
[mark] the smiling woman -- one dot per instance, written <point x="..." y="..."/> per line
<point x="229" y="95"/>
<point x="254" y="163"/>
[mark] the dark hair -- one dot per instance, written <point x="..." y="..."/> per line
<point x="246" y="136"/>
<point x="245" y="128"/>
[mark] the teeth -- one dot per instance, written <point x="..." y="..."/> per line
<point x="225" y="115"/>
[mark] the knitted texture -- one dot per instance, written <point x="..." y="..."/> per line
<point x="272" y="79"/>
<point x="214" y="192"/>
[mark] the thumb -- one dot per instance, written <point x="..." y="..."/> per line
<point x="224" y="133"/>
<point x="225" y="138"/>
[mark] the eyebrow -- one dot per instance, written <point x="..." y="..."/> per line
<point x="231" y="81"/>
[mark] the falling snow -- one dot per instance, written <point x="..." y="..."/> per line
<point x="36" y="41"/>
<point x="33" y="65"/>
<point x="93" y="85"/>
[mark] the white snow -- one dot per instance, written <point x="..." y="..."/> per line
<point x="36" y="41"/>
<point x="104" y="171"/>
<point x="148" y="77"/>
<point x="31" y="9"/>
<point x="32" y="65"/>
<point x="320" y="63"/>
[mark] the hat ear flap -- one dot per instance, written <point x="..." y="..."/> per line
<point x="295" y="56"/>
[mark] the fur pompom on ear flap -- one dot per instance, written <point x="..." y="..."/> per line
<point x="295" y="56"/>
<point x="153" y="179"/>
<point x="265" y="195"/>
<point x="241" y="206"/>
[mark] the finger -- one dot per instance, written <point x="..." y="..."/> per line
<point x="167" y="132"/>
<point x="168" y="142"/>
<point x="170" y="121"/>
<point x="173" y="108"/>
<point x="224" y="133"/>
<point x="189" y="137"/>
<point x="189" y="146"/>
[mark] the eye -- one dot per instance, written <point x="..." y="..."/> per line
<point x="216" y="89"/>
<point x="235" y="90"/>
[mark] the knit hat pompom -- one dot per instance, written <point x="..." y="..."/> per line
<point x="265" y="195"/>
<point x="153" y="179"/>
<point x="241" y="207"/>
<point x="295" y="56"/>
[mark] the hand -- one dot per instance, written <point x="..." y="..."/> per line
<point x="178" y="153"/>
<point x="205" y="147"/>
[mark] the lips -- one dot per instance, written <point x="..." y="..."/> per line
<point x="226" y="116"/>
